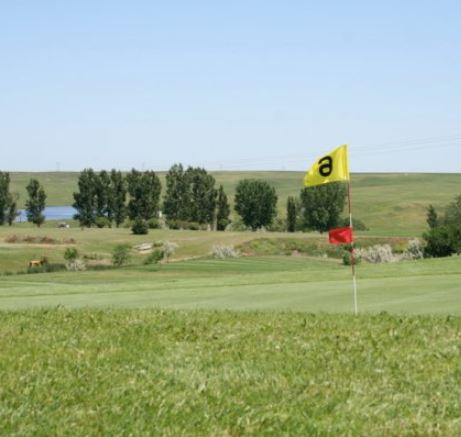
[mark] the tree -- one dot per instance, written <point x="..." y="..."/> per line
<point x="85" y="198"/>
<point x="36" y="203"/>
<point x="5" y="197"/>
<point x="177" y="200"/>
<point x="202" y="195"/>
<point x="453" y="212"/>
<point x="102" y="193"/>
<point x="12" y="211"/>
<point x="431" y="217"/>
<point x="442" y="241"/>
<point x="322" y="206"/>
<point x="255" y="202"/>
<point x="291" y="214"/>
<point x="223" y="210"/>
<point x="144" y="189"/>
<point x="117" y="200"/>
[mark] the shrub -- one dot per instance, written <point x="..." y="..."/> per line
<point x="155" y="257"/>
<point x="414" y="250"/>
<point x="71" y="254"/>
<point x="442" y="241"/>
<point x="153" y="223"/>
<point x="377" y="254"/>
<point x="278" y="225"/>
<point x="169" y="248"/>
<point x="139" y="227"/>
<point x="121" y="255"/>
<point x="221" y="252"/>
<point x="12" y="239"/>
<point x="185" y="225"/>
<point x="47" y="268"/>
<point x="76" y="265"/>
<point x="347" y="258"/>
<point x="102" y="222"/>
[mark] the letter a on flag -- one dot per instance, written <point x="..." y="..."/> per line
<point x="332" y="167"/>
<point x="340" y="235"/>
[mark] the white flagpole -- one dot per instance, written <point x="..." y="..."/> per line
<point x="354" y="280"/>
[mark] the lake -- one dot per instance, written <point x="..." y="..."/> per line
<point x="51" y="213"/>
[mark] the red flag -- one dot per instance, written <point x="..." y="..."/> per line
<point x="340" y="235"/>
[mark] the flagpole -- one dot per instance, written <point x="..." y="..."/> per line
<point x="354" y="280"/>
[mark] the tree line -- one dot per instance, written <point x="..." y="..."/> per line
<point x="34" y="206"/>
<point x="192" y="200"/>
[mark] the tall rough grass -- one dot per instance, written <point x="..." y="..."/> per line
<point x="152" y="372"/>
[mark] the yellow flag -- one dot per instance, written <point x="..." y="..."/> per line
<point x="332" y="167"/>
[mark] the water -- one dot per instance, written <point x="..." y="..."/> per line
<point x="51" y="213"/>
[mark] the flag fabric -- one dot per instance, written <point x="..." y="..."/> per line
<point x="340" y="235"/>
<point x="332" y="167"/>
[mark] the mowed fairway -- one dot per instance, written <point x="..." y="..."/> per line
<point x="264" y="283"/>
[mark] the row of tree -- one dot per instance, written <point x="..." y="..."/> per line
<point x="34" y="206"/>
<point x="191" y="198"/>
<point x="109" y="197"/>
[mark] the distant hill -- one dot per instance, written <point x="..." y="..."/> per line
<point x="389" y="203"/>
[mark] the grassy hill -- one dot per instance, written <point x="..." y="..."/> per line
<point x="390" y="204"/>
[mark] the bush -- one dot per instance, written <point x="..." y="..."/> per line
<point x="442" y="241"/>
<point x="139" y="227"/>
<point x="121" y="255"/>
<point x="71" y="254"/>
<point x="76" y="265"/>
<point x="153" y="223"/>
<point x="414" y="250"/>
<point x="377" y="254"/>
<point x="185" y="225"/>
<point x="155" y="257"/>
<point x="222" y="252"/>
<point x="347" y="258"/>
<point x="169" y="248"/>
<point x="278" y="225"/>
<point x="47" y="268"/>
<point x="102" y="222"/>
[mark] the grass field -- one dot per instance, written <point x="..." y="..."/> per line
<point x="390" y="204"/>
<point x="187" y="373"/>
<point x="259" y="345"/>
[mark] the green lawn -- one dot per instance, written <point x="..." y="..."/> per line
<point x="263" y="283"/>
<point x="390" y="204"/>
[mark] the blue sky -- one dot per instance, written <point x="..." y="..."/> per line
<point x="230" y="85"/>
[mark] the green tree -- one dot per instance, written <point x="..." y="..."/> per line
<point x="453" y="212"/>
<point x="12" y="211"/>
<point x="223" y="210"/>
<point x="5" y="196"/>
<point x="431" y="217"/>
<point x="85" y="198"/>
<point x="322" y="206"/>
<point x="202" y="195"/>
<point x="256" y="203"/>
<point x="177" y="200"/>
<point x="291" y="214"/>
<point x="442" y="241"/>
<point x="102" y="191"/>
<point x="117" y="199"/>
<point x="144" y="189"/>
<point x="36" y="202"/>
